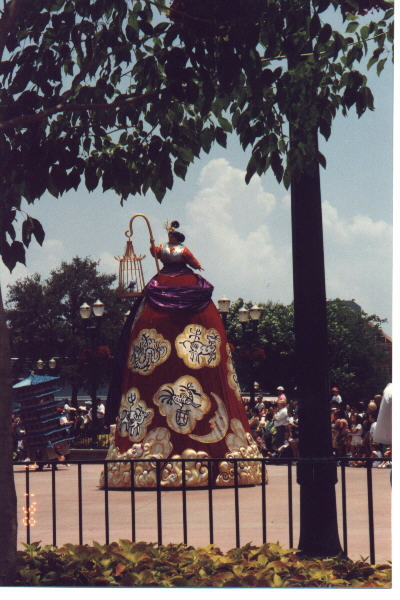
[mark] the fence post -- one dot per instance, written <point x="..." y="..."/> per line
<point x="370" y="513"/>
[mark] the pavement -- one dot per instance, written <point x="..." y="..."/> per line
<point x="144" y="525"/>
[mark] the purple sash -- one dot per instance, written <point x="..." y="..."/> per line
<point x="191" y="298"/>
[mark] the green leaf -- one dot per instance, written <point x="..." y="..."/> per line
<point x="220" y="136"/>
<point x="225" y="124"/>
<point x="11" y="254"/>
<point x="325" y="34"/>
<point x="380" y="66"/>
<point x="364" y="31"/>
<point x="26" y="232"/>
<point x="180" y="168"/>
<point x="276" y="164"/>
<point x="37" y="230"/>
<point x="251" y="167"/>
<point x="91" y="178"/>
<point x="352" y="27"/>
<point x="315" y="25"/>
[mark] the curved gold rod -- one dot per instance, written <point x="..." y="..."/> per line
<point x="129" y="233"/>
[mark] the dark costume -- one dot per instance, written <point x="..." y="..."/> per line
<point x="175" y="392"/>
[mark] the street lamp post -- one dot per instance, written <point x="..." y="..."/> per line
<point x="41" y="365"/>
<point x="92" y="326"/>
<point x="224" y="305"/>
<point x="245" y="316"/>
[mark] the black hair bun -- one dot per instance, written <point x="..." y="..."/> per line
<point x="175" y="224"/>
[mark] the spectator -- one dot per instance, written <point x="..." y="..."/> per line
<point x="356" y="431"/>
<point x="281" y="418"/>
<point x="68" y="408"/>
<point x="254" y="423"/>
<point x="340" y="436"/>
<point x="377" y="400"/>
<point x="361" y="409"/>
<point x="259" y="407"/>
<point x="284" y="450"/>
<point x="281" y="393"/>
<point x="372" y="408"/>
<point x="348" y="412"/>
<point x="372" y="428"/>
<point x="293" y="437"/>
<point x="100" y="414"/>
<point x="377" y="453"/>
<point x="64" y="419"/>
<point x="383" y="430"/>
<point x="269" y="429"/>
<point x="336" y="397"/>
<point x="261" y="444"/>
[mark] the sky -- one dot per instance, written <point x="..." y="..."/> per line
<point x="241" y="233"/>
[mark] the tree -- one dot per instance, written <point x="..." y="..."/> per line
<point x="100" y="91"/>
<point x="356" y="362"/>
<point x="267" y="355"/>
<point x="45" y="322"/>
<point x="97" y="91"/>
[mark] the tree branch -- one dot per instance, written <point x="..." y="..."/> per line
<point x="26" y="120"/>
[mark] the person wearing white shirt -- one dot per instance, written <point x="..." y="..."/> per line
<point x="336" y="397"/>
<point x="383" y="428"/>
<point x="281" y="419"/>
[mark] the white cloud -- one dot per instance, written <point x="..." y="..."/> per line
<point x="358" y="260"/>
<point x="231" y="228"/>
<point x="241" y="235"/>
<point x="107" y="263"/>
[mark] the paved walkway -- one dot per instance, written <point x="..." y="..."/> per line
<point x="145" y="504"/>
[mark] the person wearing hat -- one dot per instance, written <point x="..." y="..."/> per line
<point x="281" y="393"/>
<point x="336" y="397"/>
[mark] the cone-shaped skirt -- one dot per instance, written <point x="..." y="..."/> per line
<point x="175" y="393"/>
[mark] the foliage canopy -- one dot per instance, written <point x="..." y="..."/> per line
<point x="45" y="322"/>
<point x="358" y="362"/>
<point x="126" y="94"/>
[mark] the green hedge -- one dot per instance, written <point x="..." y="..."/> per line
<point x="129" y="564"/>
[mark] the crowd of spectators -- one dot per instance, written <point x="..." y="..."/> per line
<point x="274" y="426"/>
<point x="80" y="421"/>
<point x="354" y="431"/>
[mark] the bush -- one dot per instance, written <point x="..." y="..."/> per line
<point x="129" y="564"/>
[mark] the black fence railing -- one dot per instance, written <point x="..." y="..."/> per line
<point x="75" y="500"/>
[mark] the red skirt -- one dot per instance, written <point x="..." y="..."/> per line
<point x="180" y="399"/>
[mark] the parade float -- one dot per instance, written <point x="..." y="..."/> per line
<point x="174" y="394"/>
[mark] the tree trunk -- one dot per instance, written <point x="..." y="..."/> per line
<point x="8" y="500"/>
<point x="318" y="518"/>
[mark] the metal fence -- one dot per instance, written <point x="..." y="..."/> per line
<point x="70" y="498"/>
